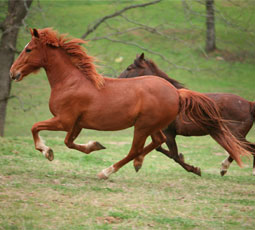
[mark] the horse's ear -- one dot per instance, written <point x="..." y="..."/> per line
<point x="31" y="31"/>
<point x="141" y="56"/>
<point x="35" y="33"/>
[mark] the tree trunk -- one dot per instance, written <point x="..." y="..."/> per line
<point x="17" y="10"/>
<point x="210" y="27"/>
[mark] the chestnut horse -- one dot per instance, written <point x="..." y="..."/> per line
<point x="239" y="115"/>
<point x="82" y="98"/>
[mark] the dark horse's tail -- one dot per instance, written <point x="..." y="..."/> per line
<point x="204" y="112"/>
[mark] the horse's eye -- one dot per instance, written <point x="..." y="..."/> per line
<point x="129" y="68"/>
<point x="28" y="50"/>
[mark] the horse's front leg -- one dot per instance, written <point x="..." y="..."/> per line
<point x="52" y="124"/>
<point x="137" y="148"/>
<point x="86" y="148"/>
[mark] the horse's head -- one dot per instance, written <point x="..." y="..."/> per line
<point x="30" y="59"/>
<point x="140" y="67"/>
<point x="143" y="67"/>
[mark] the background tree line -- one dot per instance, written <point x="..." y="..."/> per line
<point x="13" y="15"/>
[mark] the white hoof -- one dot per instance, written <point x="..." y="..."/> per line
<point x="104" y="174"/>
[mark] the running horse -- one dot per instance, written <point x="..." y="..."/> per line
<point x="238" y="113"/>
<point x="82" y="98"/>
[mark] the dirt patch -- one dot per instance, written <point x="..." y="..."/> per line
<point x="220" y="154"/>
<point x="108" y="220"/>
<point x="120" y="143"/>
<point x="231" y="56"/>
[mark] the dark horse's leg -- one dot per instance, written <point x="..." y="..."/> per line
<point x="137" y="148"/>
<point x="172" y="153"/>
<point x="227" y="162"/>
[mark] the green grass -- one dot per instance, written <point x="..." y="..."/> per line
<point x="66" y="194"/>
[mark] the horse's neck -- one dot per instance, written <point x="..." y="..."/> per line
<point x="175" y="83"/>
<point x="59" y="67"/>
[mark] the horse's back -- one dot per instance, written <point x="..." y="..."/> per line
<point x="232" y="106"/>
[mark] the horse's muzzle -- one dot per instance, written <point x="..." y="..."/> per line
<point x="15" y="77"/>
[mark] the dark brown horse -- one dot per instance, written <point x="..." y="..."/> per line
<point x="82" y="98"/>
<point x="238" y="113"/>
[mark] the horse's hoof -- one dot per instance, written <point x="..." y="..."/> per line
<point x="99" y="146"/>
<point x="137" y="167"/>
<point x="223" y="172"/>
<point x="198" y="171"/>
<point x="102" y="176"/>
<point x="49" y="155"/>
<point x="181" y="156"/>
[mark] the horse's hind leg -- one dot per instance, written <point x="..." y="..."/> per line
<point x="137" y="148"/>
<point x="227" y="162"/>
<point x="173" y="154"/>
<point x="225" y="165"/>
<point x="51" y="124"/>
<point x="170" y="141"/>
<point x="252" y="149"/>
<point x="86" y="148"/>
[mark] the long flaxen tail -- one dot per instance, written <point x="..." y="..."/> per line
<point x="205" y="113"/>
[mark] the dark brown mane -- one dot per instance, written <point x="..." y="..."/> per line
<point x="76" y="52"/>
<point x="160" y="73"/>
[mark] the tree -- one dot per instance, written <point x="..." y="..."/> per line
<point x="210" y="27"/>
<point x="17" y="11"/>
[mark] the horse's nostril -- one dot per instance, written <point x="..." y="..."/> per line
<point x="17" y="76"/>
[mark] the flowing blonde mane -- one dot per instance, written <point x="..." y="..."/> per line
<point x="77" y="53"/>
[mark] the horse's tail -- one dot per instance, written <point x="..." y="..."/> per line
<point x="205" y="113"/>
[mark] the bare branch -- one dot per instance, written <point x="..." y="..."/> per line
<point x="116" y="33"/>
<point x="117" y="13"/>
<point x="189" y="9"/>
<point x="153" y="30"/>
<point x="7" y="98"/>
<point x="21" y="103"/>
<point x="14" y="49"/>
<point x="147" y="50"/>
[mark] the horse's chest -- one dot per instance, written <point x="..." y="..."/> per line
<point x="61" y="103"/>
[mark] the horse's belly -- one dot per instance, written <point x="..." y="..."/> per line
<point x="109" y="119"/>
<point x="189" y="129"/>
<point x="107" y="126"/>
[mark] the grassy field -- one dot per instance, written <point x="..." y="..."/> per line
<point x="66" y="194"/>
